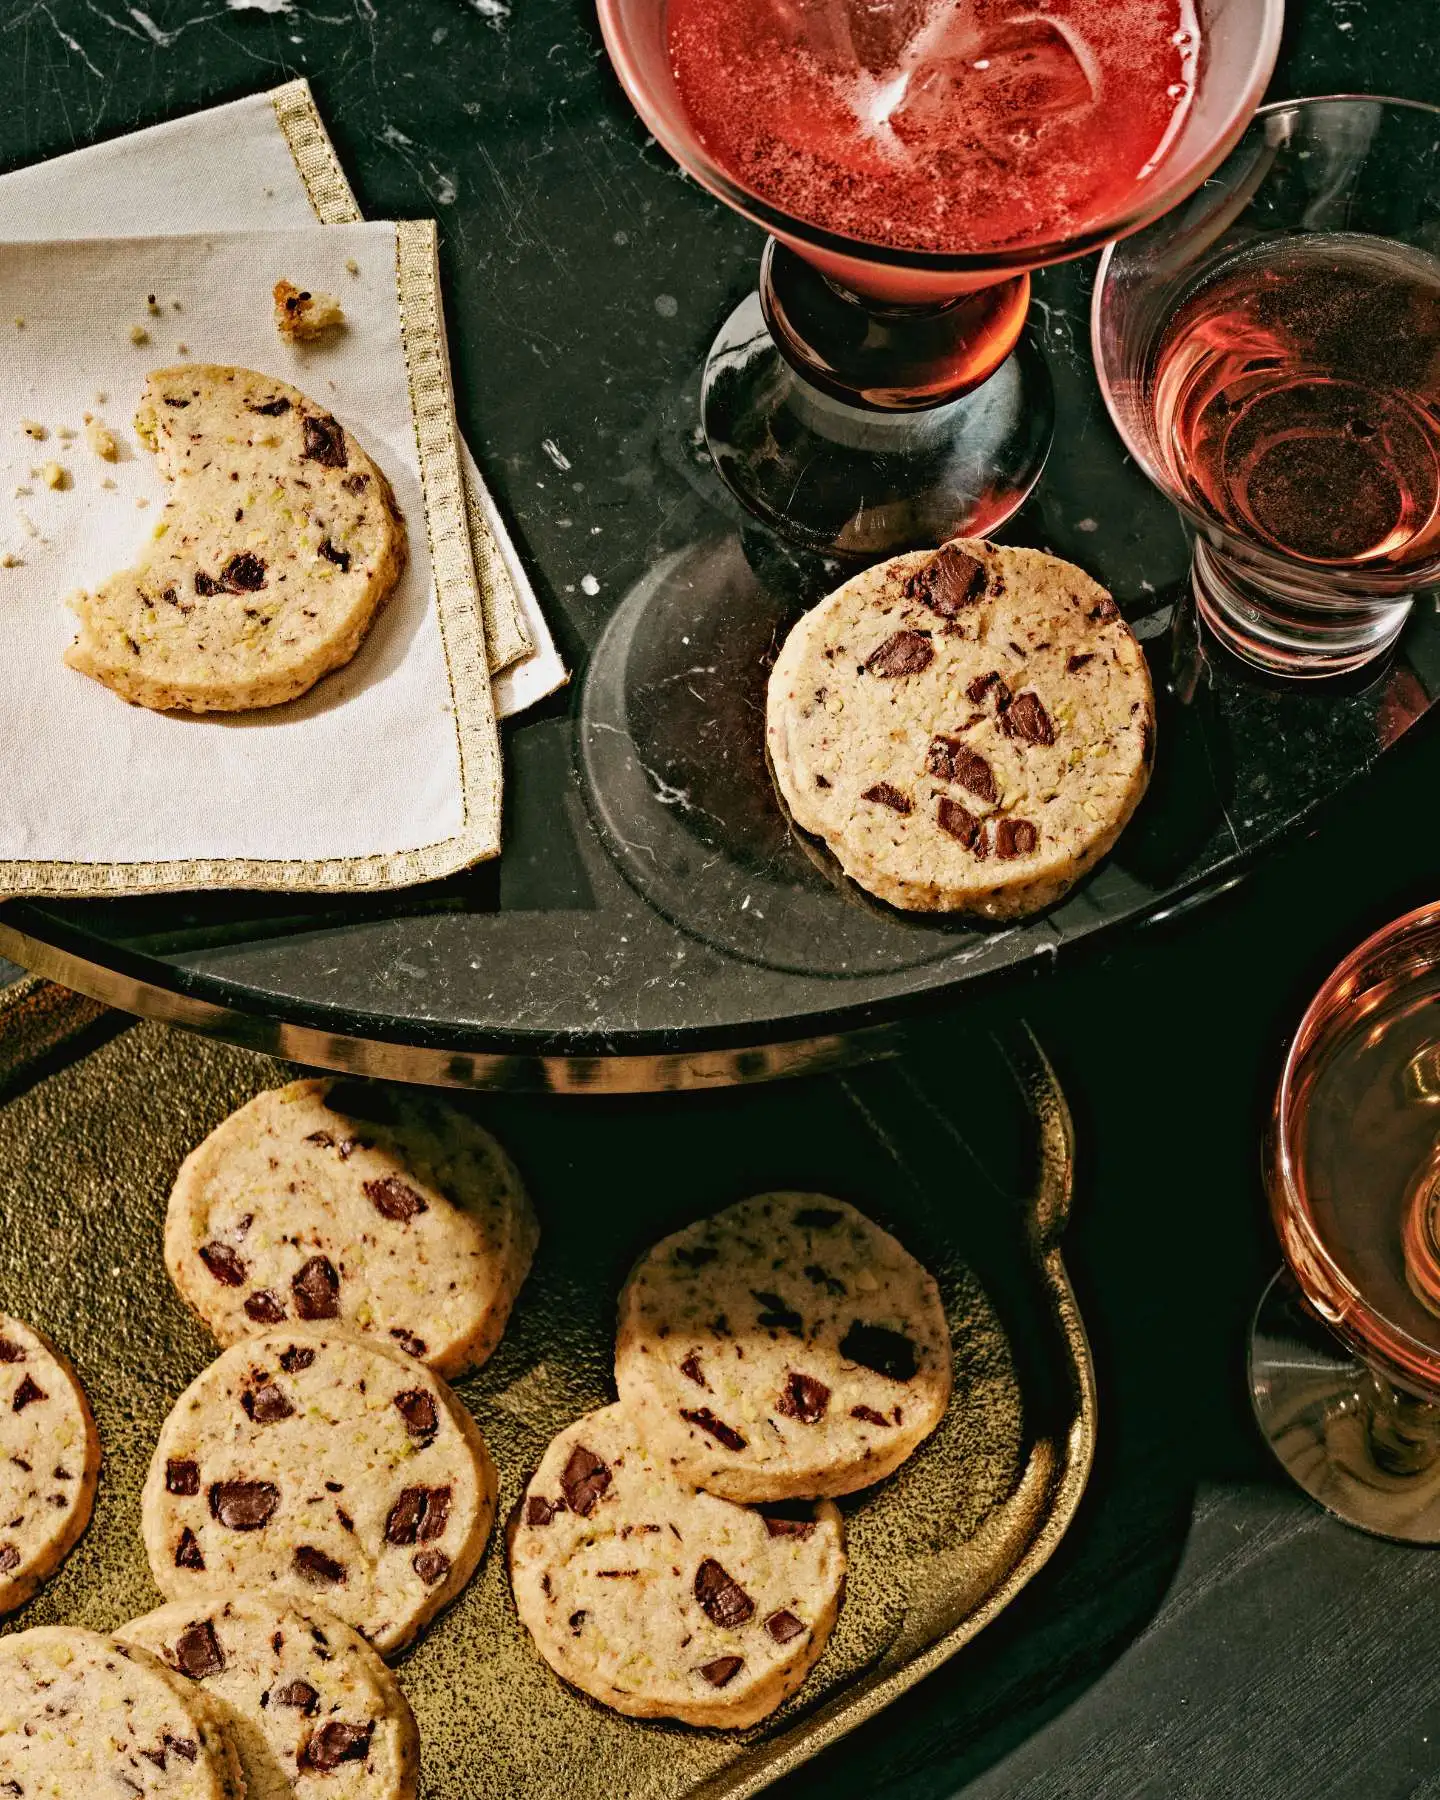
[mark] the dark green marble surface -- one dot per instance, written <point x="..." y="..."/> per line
<point x="1204" y="1631"/>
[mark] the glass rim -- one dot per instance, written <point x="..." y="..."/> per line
<point x="685" y="151"/>
<point x="1382" y="1339"/>
<point x="1107" y="257"/>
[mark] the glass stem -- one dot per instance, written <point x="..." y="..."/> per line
<point x="1403" y="1431"/>
<point x="883" y="356"/>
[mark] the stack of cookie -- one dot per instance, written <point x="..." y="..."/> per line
<point x="679" y="1554"/>
<point x="318" y="1494"/>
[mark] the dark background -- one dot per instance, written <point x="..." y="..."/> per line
<point x="1203" y="1630"/>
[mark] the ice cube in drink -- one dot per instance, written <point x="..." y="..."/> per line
<point x="1018" y="75"/>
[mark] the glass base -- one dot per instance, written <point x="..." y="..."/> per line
<point x="863" y="483"/>
<point x="1367" y="1452"/>
<point x="1290" y="634"/>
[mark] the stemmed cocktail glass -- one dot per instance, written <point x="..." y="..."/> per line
<point x="876" y="397"/>
<point x="1345" y="1354"/>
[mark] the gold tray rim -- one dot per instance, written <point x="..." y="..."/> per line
<point x="39" y="1019"/>
<point x="1048" y="1207"/>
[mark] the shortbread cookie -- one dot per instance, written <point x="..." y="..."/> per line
<point x="301" y="1694"/>
<point x="785" y="1347"/>
<point x="82" y="1715"/>
<point x="663" y="1602"/>
<point x="278" y="544"/>
<point x="326" y="1467"/>
<point x="49" y="1461"/>
<point x="968" y="729"/>
<point x="395" y="1215"/>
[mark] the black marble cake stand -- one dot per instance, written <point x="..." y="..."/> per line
<point x="652" y="922"/>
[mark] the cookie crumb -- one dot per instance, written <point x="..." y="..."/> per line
<point x="182" y="349"/>
<point x="19" y="321"/>
<point x="139" y="335"/>
<point x="9" y="560"/>
<point x="302" y="316"/>
<point x="66" y="433"/>
<point x="54" y="476"/>
<point x="101" y="439"/>
<point x="33" y="429"/>
<point x="152" y="305"/>
<point x="351" y="266"/>
<point x="107" y="483"/>
<point x="142" y="501"/>
<point x="100" y="397"/>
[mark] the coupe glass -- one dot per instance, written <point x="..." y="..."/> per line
<point x="1312" y="482"/>
<point x="872" y="399"/>
<point x="1345" y="1353"/>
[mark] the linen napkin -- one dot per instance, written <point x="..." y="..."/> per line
<point x="265" y="163"/>
<point x="388" y="771"/>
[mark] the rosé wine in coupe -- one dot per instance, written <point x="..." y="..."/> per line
<point x="1365" y="1127"/>
<point x="939" y="125"/>
<point x="1296" y="394"/>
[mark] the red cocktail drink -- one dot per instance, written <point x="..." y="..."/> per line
<point x="947" y="126"/>
<point x="913" y="161"/>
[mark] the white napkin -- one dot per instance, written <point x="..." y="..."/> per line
<point x="266" y="163"/>
<point x="388" y="771"/>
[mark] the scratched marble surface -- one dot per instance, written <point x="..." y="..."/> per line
<point x="649" y="894"/>
<point x="1203" y="1632"/>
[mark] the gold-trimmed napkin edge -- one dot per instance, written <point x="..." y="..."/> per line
<point x="327" y="187"/>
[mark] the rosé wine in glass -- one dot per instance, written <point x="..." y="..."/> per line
<point x="1345" y="1350"/>
<point x="1279" y="420"/>
<point x="1270" y="351"/>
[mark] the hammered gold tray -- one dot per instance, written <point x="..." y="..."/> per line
<point x="971" y="1164"/>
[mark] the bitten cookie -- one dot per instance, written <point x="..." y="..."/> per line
<point x="663" y="1602"/>
<point x="326" y="1467"/>
<point x="279" y="542"/>
<point x="301" y="1694"/>
<point x="785" y="1347"/>
<point x="82" y="1715"/>
<point x="49" y="1461"/>
<point x="967" y="729"/>
<point x="395" y="1216"/>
